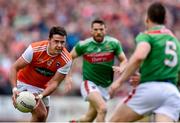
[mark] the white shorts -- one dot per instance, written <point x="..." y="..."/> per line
<point x="89" y="86"/>
<point x="33" y="89"/>
<point x="155" y="97"/>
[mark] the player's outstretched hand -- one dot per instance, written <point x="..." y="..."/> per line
<point x="117" y="69"/>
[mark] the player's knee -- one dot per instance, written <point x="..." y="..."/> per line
<point x="102" y="109"/>
<point x="41" y="116"/>
<point x="91" y="117"/>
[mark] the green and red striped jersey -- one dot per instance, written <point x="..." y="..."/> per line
<point x="163" y="61"/>
<point x="98" y="59"/>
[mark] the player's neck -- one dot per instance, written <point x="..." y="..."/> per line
<point x="152" y="25"/>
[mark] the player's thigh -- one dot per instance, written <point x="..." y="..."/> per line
<point x="123" y="113"/>
<point x="40" y="109"/>
<point x="88" y="87"/>
<point x="97" y="100"/>
<point x="170" y="107"/>
<point x="47" y="109"/>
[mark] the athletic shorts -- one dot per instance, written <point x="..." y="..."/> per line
<point x="33" y="89"/>
<point x="155" y="97"/>
<point x="88" y="86"/>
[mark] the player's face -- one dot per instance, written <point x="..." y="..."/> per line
<point x="98" y="32"/>
<point x="56" y="44"/>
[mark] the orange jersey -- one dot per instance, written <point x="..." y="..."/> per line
<point x="42" y="66"/>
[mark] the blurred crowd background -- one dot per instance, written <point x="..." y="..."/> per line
<point x="26" y="21"/>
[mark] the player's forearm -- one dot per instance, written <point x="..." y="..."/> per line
<point x="123" y="64"/>
<point x="70" y="71"/>
<point x="50" y="89"/>
<point x="13" y="76"/>
<point x="130" y="69"/>
<point x="123" y="61"/>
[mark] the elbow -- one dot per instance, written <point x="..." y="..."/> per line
<point x="138" y="60"/>
<point x="14" y="68"/>
<point x="125" y="60"/>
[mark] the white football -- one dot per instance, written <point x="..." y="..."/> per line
<point x="25" y="101"/>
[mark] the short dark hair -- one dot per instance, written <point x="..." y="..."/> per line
<point x="57" y="30"/>
<point x="156" y="13"/>
<point x="99" y="21"/>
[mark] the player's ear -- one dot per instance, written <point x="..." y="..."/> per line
<point x="146" y="20"/>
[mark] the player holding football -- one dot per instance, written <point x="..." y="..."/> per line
<point x="40" y="70"/>
<point x="158" y="55"/>
<point x="98" y="54"/>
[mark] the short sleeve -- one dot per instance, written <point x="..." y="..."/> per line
<point x="118" y="48"/>
<point x="65" y="69"/>
<point x="28" y="54"/>
<point x="79" y="48"/>
<point x="143" y="37"/>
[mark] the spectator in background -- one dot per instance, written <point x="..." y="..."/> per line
<point x="5" y="87"/>
<point x="28" y="21"/>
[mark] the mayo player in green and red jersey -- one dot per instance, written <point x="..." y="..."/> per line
<point x="157" y="54"/>
<point x="98" y="54"/>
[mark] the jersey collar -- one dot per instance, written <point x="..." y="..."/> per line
<point x="157" y="27"/>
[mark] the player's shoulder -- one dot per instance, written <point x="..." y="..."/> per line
<point x="143" y="34"/>
<point x="66" y="53"/>
<point x="111" y="39"/>
<point x="65" y="57"/>
<point x="39" y="44"/>
<point x="86" y="41"/>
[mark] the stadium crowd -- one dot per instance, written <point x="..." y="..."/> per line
<point x="23" y="22"/>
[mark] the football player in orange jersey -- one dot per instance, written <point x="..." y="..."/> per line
<point x="40" y="70"/>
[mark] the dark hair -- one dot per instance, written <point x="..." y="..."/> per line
<point x="156" y="13"/>
<point x="57" y="30"/>
<point x="99" y="21"/>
